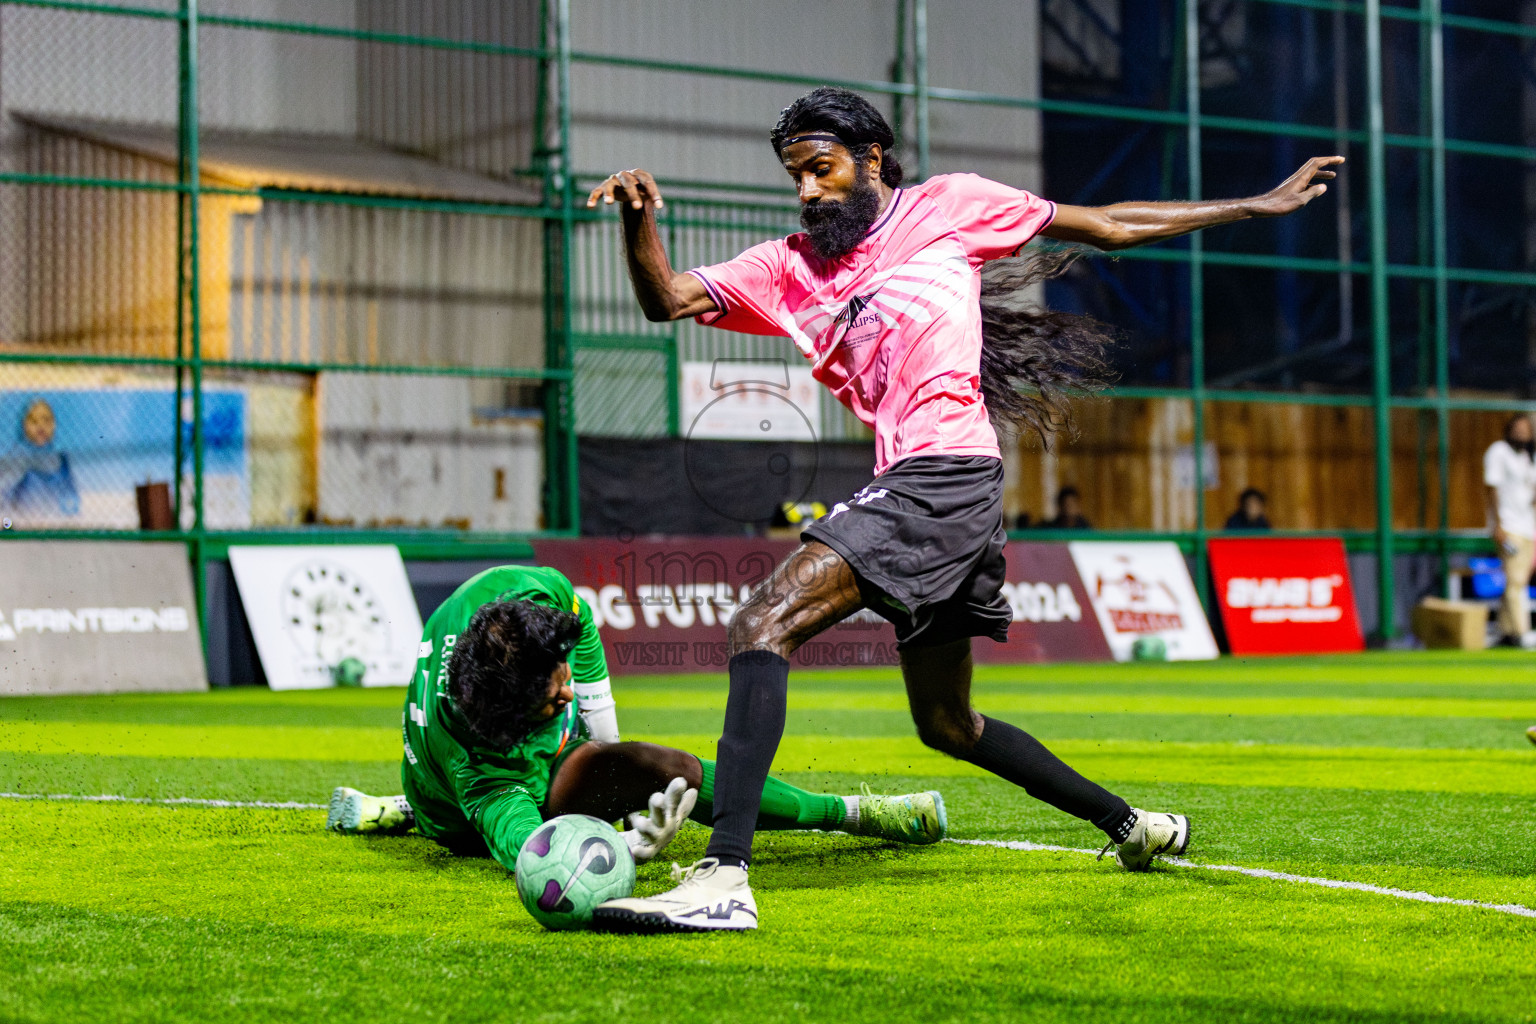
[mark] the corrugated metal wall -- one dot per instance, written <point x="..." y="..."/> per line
<point x="469" y="110"/>
<point x="314" y="283"/>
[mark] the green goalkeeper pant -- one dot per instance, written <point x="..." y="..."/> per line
<point x="784" y="806"/>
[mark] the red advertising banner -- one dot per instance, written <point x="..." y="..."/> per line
<point x="1285" y="596"/>
<point x="1053" y="617"/>
<point x="664" y="605"/>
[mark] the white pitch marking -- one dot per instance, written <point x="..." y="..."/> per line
<point x="1279" y="876"/>
<point x="180" y="801"/>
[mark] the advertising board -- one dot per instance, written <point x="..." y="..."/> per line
<point x="1142" y="589"/>
<point x="97" y="617"/>
<point x="664" y="605"/>
<point x="322" y="614"/>
<point x="1285" y="595"/>
<point x="1053" y="618"/>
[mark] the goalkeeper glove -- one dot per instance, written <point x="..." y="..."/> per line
<point x="648" y="836"/>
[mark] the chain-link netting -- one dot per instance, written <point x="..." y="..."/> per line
<point x="368" y="211"/>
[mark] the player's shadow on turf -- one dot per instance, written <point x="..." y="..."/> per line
<point x="421" y="852"/>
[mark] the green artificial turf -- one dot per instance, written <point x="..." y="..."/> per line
<point x="1408" y="771"/>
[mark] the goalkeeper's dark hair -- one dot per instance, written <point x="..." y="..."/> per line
<point x="850" y="117"/>
<point x="499" y="672"/>
<point x="1034" y="360"/>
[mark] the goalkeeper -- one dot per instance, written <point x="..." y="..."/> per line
<point x="509" y="720"/>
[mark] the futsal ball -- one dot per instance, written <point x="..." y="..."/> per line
<point x="349" y="672"/>
<point x="569" y="866"/>
<point x="1149" y="648"/>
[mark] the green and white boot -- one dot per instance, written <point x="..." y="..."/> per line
<point x="916" y="818"/>
<point x="1154" y="835"/>
<point x="354" y="812"/>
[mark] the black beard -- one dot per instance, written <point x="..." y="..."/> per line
<point x="1527" y="448"/>
<point x="836" y="228"/>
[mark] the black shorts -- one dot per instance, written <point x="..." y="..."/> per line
<point x="925" y="540"/>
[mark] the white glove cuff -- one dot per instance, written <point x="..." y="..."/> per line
<point x="594" y="696"/>
<point x="602" y="723"/>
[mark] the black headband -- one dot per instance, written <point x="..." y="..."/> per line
<point x="813" y="137"/>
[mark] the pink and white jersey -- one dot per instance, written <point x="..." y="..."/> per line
<point x="894" y="327"/>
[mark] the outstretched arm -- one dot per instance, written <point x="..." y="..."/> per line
<point x="1124" y="225"/>
<point x="664" y="294"/>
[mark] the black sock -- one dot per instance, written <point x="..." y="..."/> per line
<point x="1015" y="755"/>
<point x="754" y="724"/>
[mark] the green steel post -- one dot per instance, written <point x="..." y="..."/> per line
<point x="1424" y="292"/>
<point x="1196" y="291"/>
<point x="187" y="131"/>
<point x="1436" y="62"/>
<point x="674" y="368"/>
<point x="1381" y="391"/>
<point x="920" y="82"/>
<point x="899" y="75"/>
<point x="538" y="153"/>
<point x="179" y="364"/>
<point x="543" y="157"/>
<point x="566" y="389"/>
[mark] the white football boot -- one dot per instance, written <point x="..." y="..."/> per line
<point x="353" y="811"/>
<point x="710" y="896"/>
<point x="1154" y="835"/>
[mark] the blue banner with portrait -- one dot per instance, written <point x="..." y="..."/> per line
<point x="72" y="457"/>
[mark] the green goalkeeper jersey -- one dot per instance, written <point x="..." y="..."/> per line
<point x="456" y="784"/>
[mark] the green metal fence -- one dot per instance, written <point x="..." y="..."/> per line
<point x="588" y="333"/>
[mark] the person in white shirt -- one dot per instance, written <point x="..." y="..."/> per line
<point x="1509" y="473"/>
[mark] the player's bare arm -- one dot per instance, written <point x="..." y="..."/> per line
<point x="1126" y="225"/>
<point x="663" y="293"/>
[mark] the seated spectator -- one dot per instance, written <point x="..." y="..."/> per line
<point x="1023" y="521"/>
<point x="1069" y="512"/>
<point x="1250" y="512"/>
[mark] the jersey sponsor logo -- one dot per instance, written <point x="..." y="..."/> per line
<point x="921" y="290"/>
<point x="173" y="619"/>
<point x="864" y="325"/>
<point x="855" y="307"/>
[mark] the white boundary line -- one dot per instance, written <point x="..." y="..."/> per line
<point x="1279" y="876"/>
<point x="180" y="801"/>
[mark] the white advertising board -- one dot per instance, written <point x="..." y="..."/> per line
<point x="1143" y="589"/>
<point x="737" y="400"/>
<point x="312" y="607"/>
<point x="97" y="617"/>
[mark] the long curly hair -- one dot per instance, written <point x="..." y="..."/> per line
<point x="1034" y="360"/>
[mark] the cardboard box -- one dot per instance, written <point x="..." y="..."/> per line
<point x="1459" y="625"/>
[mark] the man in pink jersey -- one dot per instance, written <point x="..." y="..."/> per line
<point x="882" y="294"/>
